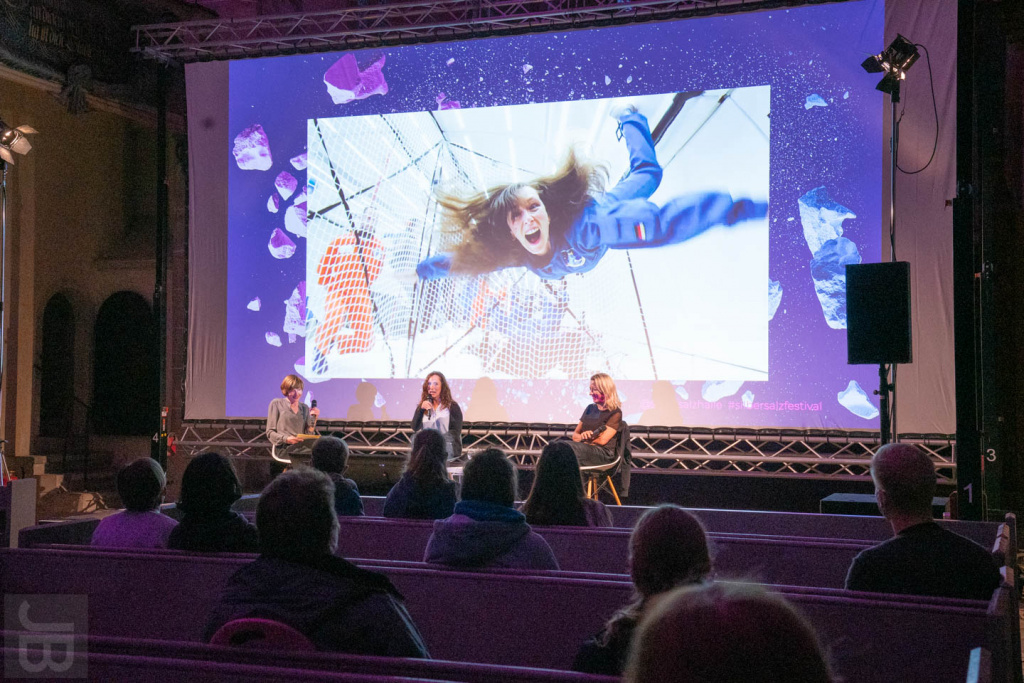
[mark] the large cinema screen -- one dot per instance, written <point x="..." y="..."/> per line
<point x="671" y="203"/>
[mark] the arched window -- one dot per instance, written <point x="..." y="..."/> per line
<point x="57" y="368"/>
<point x="126" y="373"/>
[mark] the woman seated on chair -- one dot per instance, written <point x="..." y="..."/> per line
<point x="667" y="549"/>
<point x="287" y="418"/>
<point x="557" y="495"/>
<point x="593" y="440"/>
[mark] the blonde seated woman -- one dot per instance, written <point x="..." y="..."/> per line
<point x="593" y="440"/>
<point x="287" y="419"/>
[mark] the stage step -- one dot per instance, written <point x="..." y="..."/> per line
<point x="60" y="504"/>
<point x="25" y="466"/>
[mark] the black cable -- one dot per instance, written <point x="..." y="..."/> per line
<point x="935" y="108"/>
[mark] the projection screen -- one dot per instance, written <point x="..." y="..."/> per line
<point x="684" y="198"/>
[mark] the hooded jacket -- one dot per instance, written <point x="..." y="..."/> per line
<point x="338" y="606"/>
<point x="483" y="534"/>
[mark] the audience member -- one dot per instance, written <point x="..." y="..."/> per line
<point x="667" y="549"/>
<point x="724" y="633"/>
<point x="556" y="497"/>
<point x="424" y="490"/>
<point x="923" y="558"/>
<point x="486" y="529"/>
<point x="330" y="456"/>
<point x="299" y="581"/>
<point x="208" y="488"/>
<point x="141" y="485"/>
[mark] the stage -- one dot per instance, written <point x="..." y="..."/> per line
<point x="760" y="469"/>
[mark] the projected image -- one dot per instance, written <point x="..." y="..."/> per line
<point x="543" y="241"/>
<point x="496" y="210"/>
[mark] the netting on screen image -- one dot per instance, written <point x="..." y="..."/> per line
<point x="631" y="310"/>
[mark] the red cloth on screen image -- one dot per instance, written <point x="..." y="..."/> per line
<point x="347" y="269"/>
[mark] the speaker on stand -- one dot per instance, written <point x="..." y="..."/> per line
<point x="878" y="330"/>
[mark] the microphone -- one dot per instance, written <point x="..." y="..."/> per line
<point x="312" y="404"/>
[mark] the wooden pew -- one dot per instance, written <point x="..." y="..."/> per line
<point x="162" y="653"/>
<point x="779" y="560"/>
<point x="468" y="616"/>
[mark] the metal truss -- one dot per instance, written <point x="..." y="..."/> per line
<point x="812" y="454"/>
<point x="394" y="23"/>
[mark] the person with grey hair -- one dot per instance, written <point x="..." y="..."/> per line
<point x="299" y="581"/>
<point x="141" y="485"/>
<point x="923" y="558"/>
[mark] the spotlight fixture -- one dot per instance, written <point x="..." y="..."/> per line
<point x="13" y="141"/>
<point x="895" y="61"/>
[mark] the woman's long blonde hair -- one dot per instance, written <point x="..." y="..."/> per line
<point x="480" y="221"/>
<point x="606" y="385"/>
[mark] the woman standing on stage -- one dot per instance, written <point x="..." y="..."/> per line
<point x="437" y="410"/>
<point x="288" y="416"/>
<point x="593" y="438"/>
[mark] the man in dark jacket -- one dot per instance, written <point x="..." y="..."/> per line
<point x="330" y="456"/>
<point x="298" y="580"/>
<point x="923" y="558"/>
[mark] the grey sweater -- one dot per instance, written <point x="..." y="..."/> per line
<point x="283" y="423"/>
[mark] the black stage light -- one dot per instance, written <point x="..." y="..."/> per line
<point x="895" y="61"/>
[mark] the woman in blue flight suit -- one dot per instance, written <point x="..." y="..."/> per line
<point x="564" y="223"/>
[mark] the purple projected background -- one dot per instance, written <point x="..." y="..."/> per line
<point x="826" y="131"/>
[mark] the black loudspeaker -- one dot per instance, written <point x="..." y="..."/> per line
<point x="878" y="313"/>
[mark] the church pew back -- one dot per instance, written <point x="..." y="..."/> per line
<point x="523" y="620"/>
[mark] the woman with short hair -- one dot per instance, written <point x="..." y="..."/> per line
<point x="287" y="417"/>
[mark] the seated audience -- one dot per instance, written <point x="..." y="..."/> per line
<point x="486" y="530"/>
<point x="208" y="488"/>
<point x="724" y="633"/>
<point x="141" y="486"/>
<point x="424" y="490"/>
<point x="667" y="549"/>
<point x="923" y="558"/>
<point x="298" y="580"/>
<point x="330" y="456"/>
<point x="556" y="497"/>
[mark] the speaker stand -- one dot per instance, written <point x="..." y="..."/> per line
<point x="885" y="395"/>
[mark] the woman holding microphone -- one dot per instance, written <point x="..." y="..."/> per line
<point x="289" y="417"/>
<point x="437" y="410"/>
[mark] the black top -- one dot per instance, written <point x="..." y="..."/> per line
<point x="222" y="532"/>
<point x="594" y="419"/>
<point x="606" y="653"/>
<point x="454" y="426"/>
<point x="926" y="559"/>
<point x="347" y="502"/>
<point x="337" y="605"/>
<point x="408" y="500"/>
